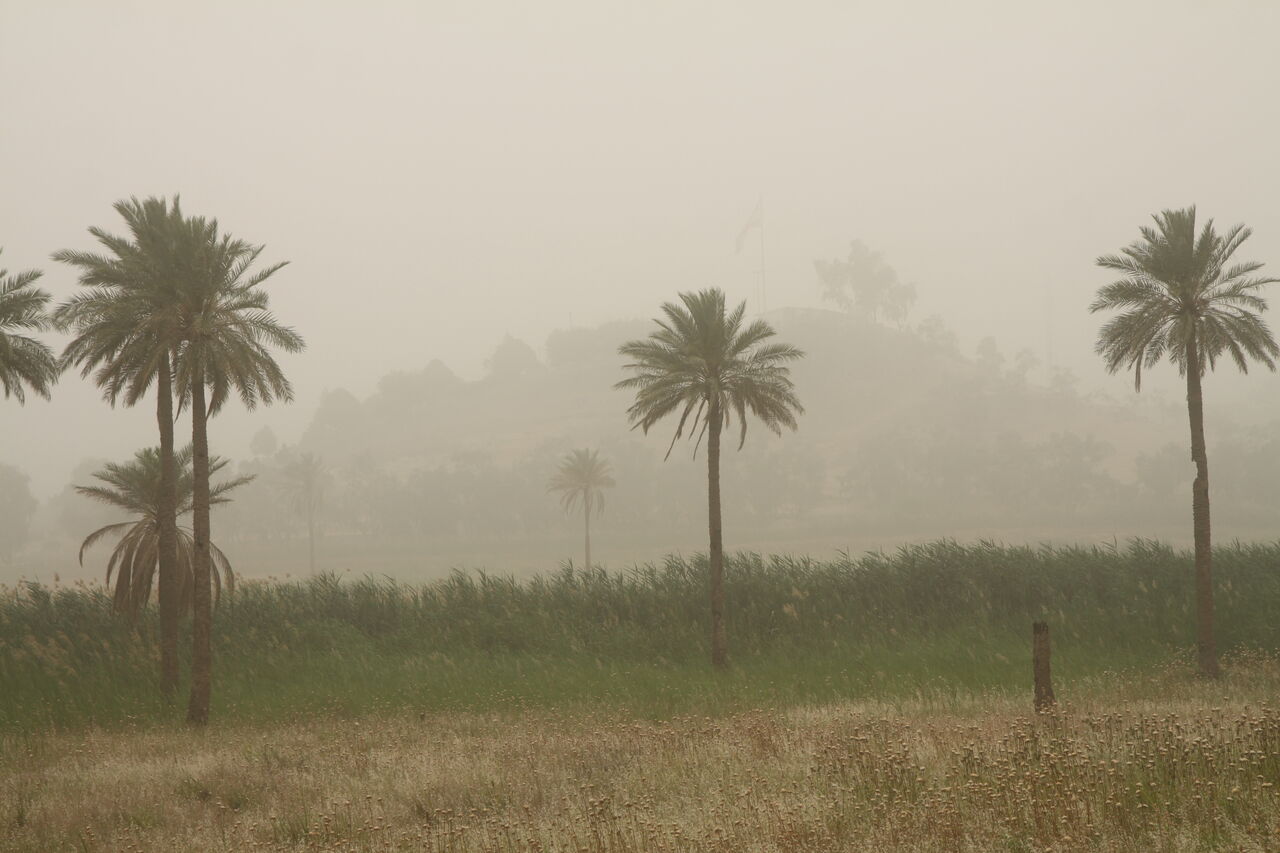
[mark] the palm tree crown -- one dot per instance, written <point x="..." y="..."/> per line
<point x="126" y="322"/>
<point x="24" y="361"/>
<point x="1180" y="288"/>
<point x="227" y="327"/>
<point x="701" y="361"/>
<point x="135" y="488"/>
<point x="581" y="479"/>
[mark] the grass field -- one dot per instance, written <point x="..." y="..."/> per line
<point x="1162" y="762"/>
<point x="878" y="702"/>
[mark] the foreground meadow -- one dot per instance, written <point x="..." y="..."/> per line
<point x="881" y="702"/>
<point x="1158" y="763"/>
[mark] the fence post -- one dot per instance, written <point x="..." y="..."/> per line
<point x="1044" y="699"/>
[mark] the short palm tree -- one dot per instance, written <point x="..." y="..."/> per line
<point x="1182" y="298"/>
<point x="708" y="367"/>
<point x="582" y="478"/>
<point x="135" y="488"/>
<point x="24" y="361"/>
<point x="306" y="478"/>
<point x="125" y="327"/>
<point x="227" y="330"/>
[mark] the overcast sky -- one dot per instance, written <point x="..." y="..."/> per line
<point x="440" y="174"/>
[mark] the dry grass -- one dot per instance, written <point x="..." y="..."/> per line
<point x="1165" y="764"/>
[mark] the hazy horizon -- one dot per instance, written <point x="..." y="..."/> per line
<point x="441" y="175"/>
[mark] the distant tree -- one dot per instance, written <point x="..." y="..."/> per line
<point x="125" y="330"/>
<point x="864" y="281"/>
<point x="1024" y="361"/>
<point x="990" y="359"/>
<point x="305" y="479"/>
<point x="16" y="508"/>
<point x="24" y="361"/>
<point x="135" y="487"/>
<point x="227" y="332"/>
<point x="582" y="478"/>
<point x="706" y="366"/>
<point x="936" y="334"/>
<point x="264" y="442"/>
<point x="512" y="358"/>
<point x="1183" y="299"/>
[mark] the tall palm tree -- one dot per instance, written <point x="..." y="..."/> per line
<point x="708" y="366"/>
<point x="305" y="479"/>
<point x="24" y="361"/>
<point x="226" y="330"/>
<point x="125" y="327"/>
<point x="1183" y="298"/>
<point x="582" y="478"/>
<point x="135" y="487"/>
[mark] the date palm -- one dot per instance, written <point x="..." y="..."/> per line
<point x="227" y="331"/>
<point x="305" y="479"/>
<point x="582" y="478"/>
<point x="1183" y="298"/>
<point x="125" y="327"/>
<point x="24" y="361"/>
<point x="135" y="487"/>
<point x="709" y="367"/>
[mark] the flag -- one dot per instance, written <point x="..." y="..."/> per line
<point x="756" y="221"/>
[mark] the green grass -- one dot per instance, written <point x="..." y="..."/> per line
<point x="927" y="622"/>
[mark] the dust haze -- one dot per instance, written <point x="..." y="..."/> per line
<point x="480" y="202"/>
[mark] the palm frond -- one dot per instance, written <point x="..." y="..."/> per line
<point x="704" y="363"/>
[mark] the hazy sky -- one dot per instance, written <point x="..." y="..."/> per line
<point x="440" y="174"/>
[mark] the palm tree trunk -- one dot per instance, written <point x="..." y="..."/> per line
<point x="311" y="540"/>
<point x="1205" y="642"/>
<point x="168" y="535"/>
<point x="586" y="511"/>
<point x="202" y="623"/>
<point x="719" y="644"/>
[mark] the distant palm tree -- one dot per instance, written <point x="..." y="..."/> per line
<point x="1180" y="299"/>
<point x="582" y="478"/>
<point x="24" y="360"/>
<point x="305" y="480"/>
<point x="126" y="327"/>
<point x="227" y="329"/>
<point x="708" y="366"/>
<point x="135" y="488"/>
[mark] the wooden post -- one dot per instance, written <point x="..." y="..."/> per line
<point x="1040" y="665"/>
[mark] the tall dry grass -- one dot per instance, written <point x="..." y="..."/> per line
<point x="1161" y="763"/>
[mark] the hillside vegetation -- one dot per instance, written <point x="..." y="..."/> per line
<point x="904" y="437"/>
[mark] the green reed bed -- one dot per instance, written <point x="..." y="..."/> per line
<point x="936" y="620"/>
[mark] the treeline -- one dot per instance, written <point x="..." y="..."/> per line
<point x="904" y="434"/>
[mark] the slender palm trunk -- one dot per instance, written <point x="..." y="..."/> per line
<point x="719" y="644"/>
<point x="586" y="511"/>
<point x="311" y="539"/>
<point x="202" y="623"/>
<point x="1205" y="642"/>
<point x="168" y="535"/>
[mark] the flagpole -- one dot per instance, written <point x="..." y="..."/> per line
<point x="763" y="303"/>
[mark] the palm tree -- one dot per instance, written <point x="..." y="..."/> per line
<point x="226" y="330"/>
<point x="305" y="479"/>
<point x="1179" y="298"/>
<point x="125" y="328"/>
<point x="24" y="360"/>
<point x="709" y="367"/>
<point x="582" y="478"/>
<point x="135" y="487"/>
